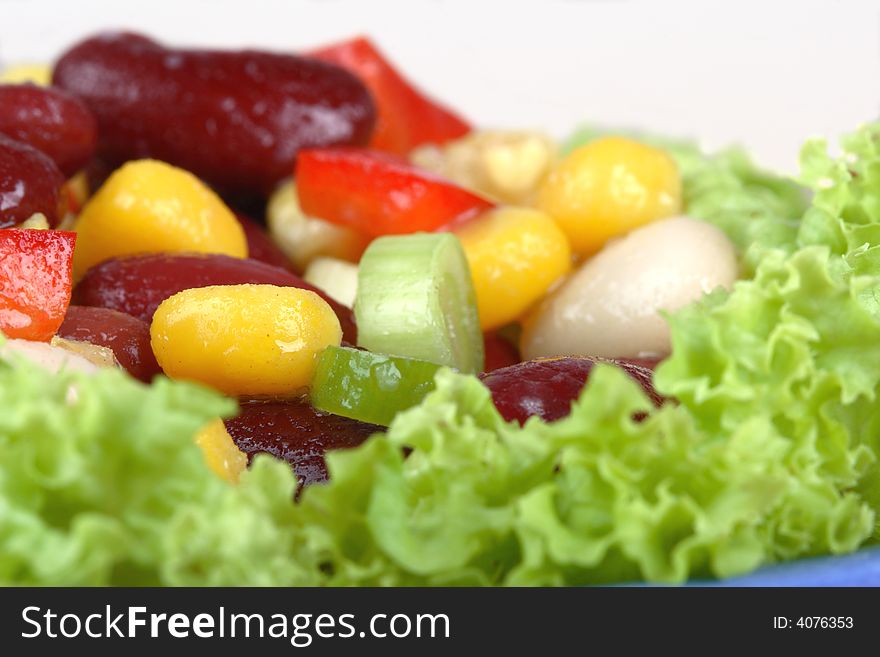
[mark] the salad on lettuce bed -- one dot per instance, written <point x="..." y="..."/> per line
<point x="769" y="453"/>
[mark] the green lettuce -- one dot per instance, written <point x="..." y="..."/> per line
<point x="92" y="470"/>
<point x="594" y="498"/>
<point x="845" y="213"/>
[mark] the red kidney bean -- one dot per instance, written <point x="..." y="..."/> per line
<point x="546" y="387"/>
<point x="127" y="336"/>
<point x="293" y="431"/>
<point x="97" y="172"/>
<point x="260" y="245"/>
<point x="499" y="352"/>
<point x="138" y="284"/>
<point x="51" y="121"/>
<point x="236" y="119"/>
<point x="29" y="182"/>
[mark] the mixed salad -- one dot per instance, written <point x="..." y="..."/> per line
<point x="286" y="320"/>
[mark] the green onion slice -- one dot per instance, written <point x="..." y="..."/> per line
<point x="416" y="299"/>
<point x="369" y="387"/>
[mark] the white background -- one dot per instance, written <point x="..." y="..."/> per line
<point x="767" y="74"/>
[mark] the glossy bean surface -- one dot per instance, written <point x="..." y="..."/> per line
<point x="50" y="120"/>
<point x="235" y="119"/>
<point x="30" y="182"/>
<point x="546" y="388"/>
<point x="137" y="285"/>
<point x="295" y="432"/>
<point x="128" y="337"/>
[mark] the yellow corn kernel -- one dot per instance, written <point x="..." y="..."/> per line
<point x="40" y="74"/>
<point x="148" y="206"/>
<point x="302" y="238"/>
<point x="507" y="166"/>
<point x="244" y="339"/>
<point x="515" y="255"/>
<point x="221" y="453"/>
<point x="609" y="187"/>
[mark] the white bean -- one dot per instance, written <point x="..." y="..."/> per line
<point x="610" y="306"/>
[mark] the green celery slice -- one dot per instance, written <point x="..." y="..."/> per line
<point x="369" y="387"/>
<point x="416" y="299"/>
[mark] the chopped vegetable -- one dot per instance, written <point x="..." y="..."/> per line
<point x="35" y="281"/>
<point x="244" y="339"/>
<point x="369" y="387"/>
<point x="148" y="206"/>
<point x="515" y="255"/>
<point x="416" y="299"/>
<point x="406" y="118"/>
<point x="379" y="194"/>
<point x="608" y="187"/>
<point x="335" y="277"/>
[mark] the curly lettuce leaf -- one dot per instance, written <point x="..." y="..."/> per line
<point x="845" y="214"/>
<point x="92" y="470"/>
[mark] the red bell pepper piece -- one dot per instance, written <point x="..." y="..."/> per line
<point x="406" y="118"/>
<point x="36" y="277"/>
<point x="378" y="193"/>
